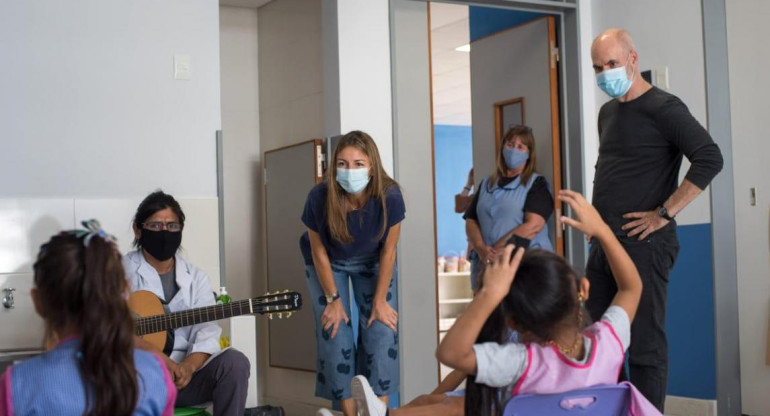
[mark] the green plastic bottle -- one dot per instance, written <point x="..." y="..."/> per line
<point x="223" y="297"/>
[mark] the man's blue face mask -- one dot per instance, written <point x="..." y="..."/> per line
<point x="614" y="82"/>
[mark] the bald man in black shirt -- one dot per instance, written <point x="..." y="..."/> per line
<point x="643" y="134"/>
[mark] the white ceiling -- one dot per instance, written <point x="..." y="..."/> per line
<point x="451" y="69"/>
<point x="252" y="4"/>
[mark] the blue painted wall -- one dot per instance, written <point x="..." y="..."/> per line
<point x="485" y="21"/>
<point x="690" y="316"/>
<point x="453" y="156"/>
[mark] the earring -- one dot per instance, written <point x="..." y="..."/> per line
<point x="581" y="306"/>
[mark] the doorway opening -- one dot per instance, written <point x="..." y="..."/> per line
<point x="491" y="69"/>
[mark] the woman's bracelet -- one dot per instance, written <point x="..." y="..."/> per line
<point x="467" y="188"/>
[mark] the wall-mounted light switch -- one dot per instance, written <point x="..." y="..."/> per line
<point x="182" y="67"/>
<point x="660" y="79"/>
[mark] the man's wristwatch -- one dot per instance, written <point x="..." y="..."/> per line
<point x="663" y="212"/>
<point x="331" y="298"/>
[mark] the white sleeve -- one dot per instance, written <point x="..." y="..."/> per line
<point x="618" y="320"/>
<point x="203" y="337"/>
<point x="499" y="365"/>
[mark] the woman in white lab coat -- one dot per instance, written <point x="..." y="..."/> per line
<point x="200" y="370"/>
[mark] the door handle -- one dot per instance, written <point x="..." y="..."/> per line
<point x="8" y="298"/>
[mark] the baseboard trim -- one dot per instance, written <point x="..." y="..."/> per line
<point x="687" y="406"/>
<point x="297" y="408"/>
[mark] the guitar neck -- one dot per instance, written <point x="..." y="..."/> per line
<point x="278" y="303"/>
<point x="173" y="320"/>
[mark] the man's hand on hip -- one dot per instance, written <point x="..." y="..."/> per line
<point x="644" y="224"/>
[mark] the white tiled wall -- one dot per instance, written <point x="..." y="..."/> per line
<point x="28" y="223"/>
<point x="21" y="328"/>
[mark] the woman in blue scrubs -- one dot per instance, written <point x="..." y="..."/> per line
<point x="513" y="200"/>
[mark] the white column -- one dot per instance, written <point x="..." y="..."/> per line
<point x="588" y="88"/>
<point x="357" y="91"/>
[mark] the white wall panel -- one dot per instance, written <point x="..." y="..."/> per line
<point x="25" y="225"/>
<point x="90" y="107"/>
<point x="21" y="326"/>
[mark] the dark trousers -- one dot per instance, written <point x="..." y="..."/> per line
<point x="224" y="381"/>
<point x="648" y="352"/>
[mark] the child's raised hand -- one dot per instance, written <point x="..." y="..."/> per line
<point x="499" y="274"/>
<point x="588" y="219"/>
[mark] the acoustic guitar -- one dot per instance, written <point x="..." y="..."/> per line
<point x="151" y="322"/>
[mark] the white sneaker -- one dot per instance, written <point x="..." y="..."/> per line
<point x="324" y="412"/>
<point x="367" y="403"/>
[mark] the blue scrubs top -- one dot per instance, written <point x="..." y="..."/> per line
<point x="501" y="209"/>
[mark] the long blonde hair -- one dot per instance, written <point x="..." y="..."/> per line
<point x="527" y="139"/>
<point x="380" y="182"/>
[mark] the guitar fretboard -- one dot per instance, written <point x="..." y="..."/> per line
<point x="269" y="304"/>
<point x="160" y="323"/>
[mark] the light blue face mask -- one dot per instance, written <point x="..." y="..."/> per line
<point x="514" y="158"/>
<point x="353" y="181"/>
<point x="615" y="82"/>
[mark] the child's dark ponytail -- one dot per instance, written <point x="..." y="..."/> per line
<point x="481" y="399"/>
<point x="81" y="288"/>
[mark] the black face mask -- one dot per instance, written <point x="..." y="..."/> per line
<point x="161" y="244"/>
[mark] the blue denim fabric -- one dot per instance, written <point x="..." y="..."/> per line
<point x="374" y="353"/>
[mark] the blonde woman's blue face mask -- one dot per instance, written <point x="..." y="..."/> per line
<point x="353" y="181"/>
<point x="353" y="168"/>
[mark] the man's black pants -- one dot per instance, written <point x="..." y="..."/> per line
<point x="648" y="352"/>
<point x="224" y="381"/>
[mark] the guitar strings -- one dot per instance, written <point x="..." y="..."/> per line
<point x="157" y="323"/>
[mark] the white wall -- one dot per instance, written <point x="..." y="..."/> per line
<point x="93" y="121"/>
<point x="666" y="33"/>
<point x="746" y="31"/>
<point x="291" y="110"/>
<point x="29" y="222"/>
<point x="363" y="53"/>
<point x="240" y="129"/>
<point x="89" y="104"/>
<point x="291" y="106"/>
<point x="589" y="94"/>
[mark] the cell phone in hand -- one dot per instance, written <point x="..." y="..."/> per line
<point x="519" y="242"/>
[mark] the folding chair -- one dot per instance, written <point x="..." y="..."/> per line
<point x="595" y="401"/>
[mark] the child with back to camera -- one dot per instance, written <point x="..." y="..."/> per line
<point x="542" y="298"/>
<point x="80" y="292"/>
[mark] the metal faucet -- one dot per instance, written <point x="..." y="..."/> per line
<point x="8" y="299"/>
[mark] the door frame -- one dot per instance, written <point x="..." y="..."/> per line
<point x="567" y="74"/>
<point x="726" y="335"/>
<point x="411" y="116"/>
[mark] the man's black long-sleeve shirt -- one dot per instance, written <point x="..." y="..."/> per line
<point x="641" y="144"/>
